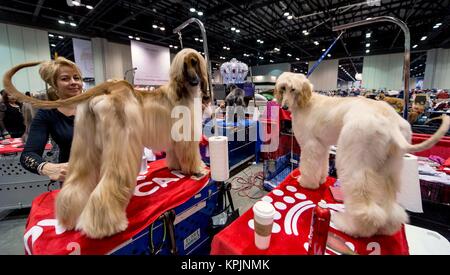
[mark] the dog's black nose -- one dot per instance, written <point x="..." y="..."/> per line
<point x="285" y="107"/>
<point x="194" y="81"/>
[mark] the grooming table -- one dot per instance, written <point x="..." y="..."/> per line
<point x="183" y="203"/>
<point x="18" y="187"/>
<point x="294" y="206"/>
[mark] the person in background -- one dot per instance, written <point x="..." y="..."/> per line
<point x="11" y="118"/>
<point x="65" y="80"/>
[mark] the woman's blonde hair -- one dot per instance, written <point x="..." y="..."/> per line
<point x="49" y="70"/>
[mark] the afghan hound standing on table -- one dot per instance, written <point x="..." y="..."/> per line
<point x="113" y="124"/>
<point x="371" y="140"/>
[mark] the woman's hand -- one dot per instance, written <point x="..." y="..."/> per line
<point x="55" y="171"/>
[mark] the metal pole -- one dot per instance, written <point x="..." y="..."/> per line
<point x="406" y="60"/>
<point x="208" y="62"/>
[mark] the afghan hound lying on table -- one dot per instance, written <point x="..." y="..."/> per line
<point x="371" y="140"/>
<point x="113" y="124"/>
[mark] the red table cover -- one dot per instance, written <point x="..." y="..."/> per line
<point x="15" y="145"/>
<point x="291" y="227"/>
<point x="156" y="192"/>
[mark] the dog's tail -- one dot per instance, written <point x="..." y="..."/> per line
<point x="11" y="89"/>
<point x="427" y="144"/>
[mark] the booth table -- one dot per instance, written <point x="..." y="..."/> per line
<point x="294" y="206"/>
<point x="158" y="191"/>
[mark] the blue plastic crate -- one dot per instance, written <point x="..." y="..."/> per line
<point x="192" y="225"/>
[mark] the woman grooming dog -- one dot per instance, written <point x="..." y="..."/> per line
<point x="114" y="123"/>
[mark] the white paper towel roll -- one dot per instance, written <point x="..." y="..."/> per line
<point x="409" y="196"/>
<point x="218" y="150"/>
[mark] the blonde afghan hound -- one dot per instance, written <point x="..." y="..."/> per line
<point x="113" y="124"/>
<point x="371" y="140"/>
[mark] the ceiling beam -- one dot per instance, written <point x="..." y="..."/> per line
<point x="37" y="10"/>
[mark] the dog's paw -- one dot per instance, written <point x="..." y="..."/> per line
<point x="68" y="207"/>
<point x="96" y="227"/>
<point x="101" y="219"/>
<point x="307" y="184"/>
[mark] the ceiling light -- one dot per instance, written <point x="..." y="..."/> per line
<point x="415" y="46"/>
<point x="368" y="35"/>
<point x="233" y="28"/>
<point x="175" y="47"/>
<point x="192" y="9"/>
<point x="423" y="38"/>
<point x="316" y="43"/>
<point x="76" y="3"/>
<point x="286" y="14"/>
<point x="436" y="26"/>
<point x="51" y="35"/>
<point x="290" y="17"/>
<point x="73" y="24"/>
<point x="60" y="37"/>
<point x="323" y="50"/>
<point x="367" y="45"/>
<point x="258" y="40"/>
<point x="271" y="61"/>
<point x="295" y="69"/>
<point x="61" y="22"/>
<point x="306" y="33"/>
<point x="367" y="51"/>
<point x="162" y="28"/>
<point x="289" y="54"/>
<point x="262" y="42"/>
<point x="329" y="55"/>
<point x="200" y="13"/>
<point x="261" y="57"/>
<point x="170" y="46"/>
<point x="154" y="26"/>
<point x="196" y="39"/>
<point x="298" y="59"/>
<point x="238" y="31"/>
<point x="89" y="7"/>
<point x="129" y="36"/>
<point x="224" y="47"/>
<point x="138" y="38"/>
<point x="228" y="48"/>
<point x="201" y="40"/>
<point x="53" y="45"/>
<point x="306" y="63"/>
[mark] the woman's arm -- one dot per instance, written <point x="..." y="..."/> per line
<point x="31" y="156"/>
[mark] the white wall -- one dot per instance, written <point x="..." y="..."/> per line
<point x="324" y="77"/>
<point x="437" y="69"/>
<point x="383" y="72"/>
<point x="19" y="45"/>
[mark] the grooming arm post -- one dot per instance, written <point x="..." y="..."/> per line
<point x="406" y="59"/>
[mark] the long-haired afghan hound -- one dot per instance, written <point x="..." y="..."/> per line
<point x="371" y="140"/>
<point x="113" y="124"/>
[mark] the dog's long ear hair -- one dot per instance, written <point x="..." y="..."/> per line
<point x="277" y="95"/>
<point x="203" y="74"/>
<point x="303" y="89"/>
